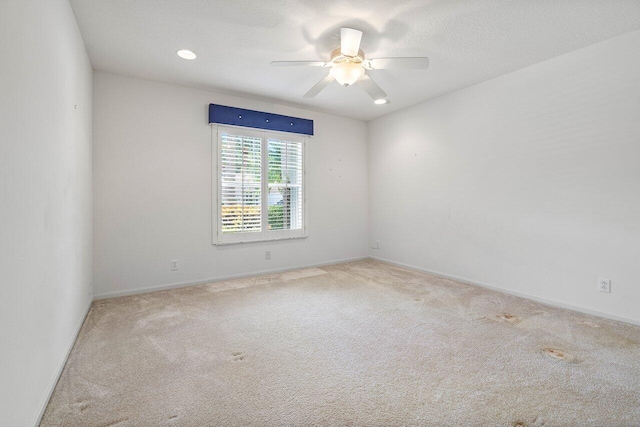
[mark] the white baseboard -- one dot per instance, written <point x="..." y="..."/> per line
<point x="155" y="288"/>
<point x="63" y="362"/>
<point x="547" y="301"/>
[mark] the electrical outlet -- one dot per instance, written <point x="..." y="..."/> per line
<point x="267" y="255"/>
<point x="174" y="264"/>
<point x="604" y="285"/>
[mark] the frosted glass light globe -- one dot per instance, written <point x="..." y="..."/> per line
<point x="347" y="73"/>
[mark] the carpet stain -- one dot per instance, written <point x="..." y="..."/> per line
<point x="509" y="318"/>
<point x="536" y="423"/>
<point x="558" y="354"/>
<point x="237" y="356"/>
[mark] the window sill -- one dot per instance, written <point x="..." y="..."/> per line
<point x="274" y="239"/>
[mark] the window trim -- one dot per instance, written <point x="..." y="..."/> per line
<point x="265" y="235"/>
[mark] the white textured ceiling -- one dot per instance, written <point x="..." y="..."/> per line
<point x="467" y="41"/>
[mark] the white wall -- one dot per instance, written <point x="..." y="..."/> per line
<point x="45" y="207"/>
<point x="529" y="182"/>
<point x="152" y="184"/>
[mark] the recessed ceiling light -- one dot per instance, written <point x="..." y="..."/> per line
<point x="380" y="101"/>
<point x="186" y="54"/>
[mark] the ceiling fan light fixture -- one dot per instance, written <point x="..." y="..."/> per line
<point x="347" y="73"/>
<point x="348" y="66"/>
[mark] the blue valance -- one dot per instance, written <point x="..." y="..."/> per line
<point x="224" y="115"/>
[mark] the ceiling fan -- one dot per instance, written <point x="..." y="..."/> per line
<point x="348" y="66"/>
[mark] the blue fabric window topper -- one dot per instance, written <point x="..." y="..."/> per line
<point x="221" y="114"/>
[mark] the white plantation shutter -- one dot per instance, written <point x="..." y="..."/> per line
<point x="285" y="198"/>
<point x="240" y="183"/>
<point x="260" y="186"/>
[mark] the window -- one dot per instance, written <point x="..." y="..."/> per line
<point x="260" y="186"/>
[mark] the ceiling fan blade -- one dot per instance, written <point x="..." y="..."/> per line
<point x="416" y="63"/>
<point x="371" y="88"/>
<point x="317" y="88"/>
<point x="350" y="41"/>
<point x="298" y="64"/>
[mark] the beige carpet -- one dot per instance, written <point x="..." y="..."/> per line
<point x="362" y="344"/>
